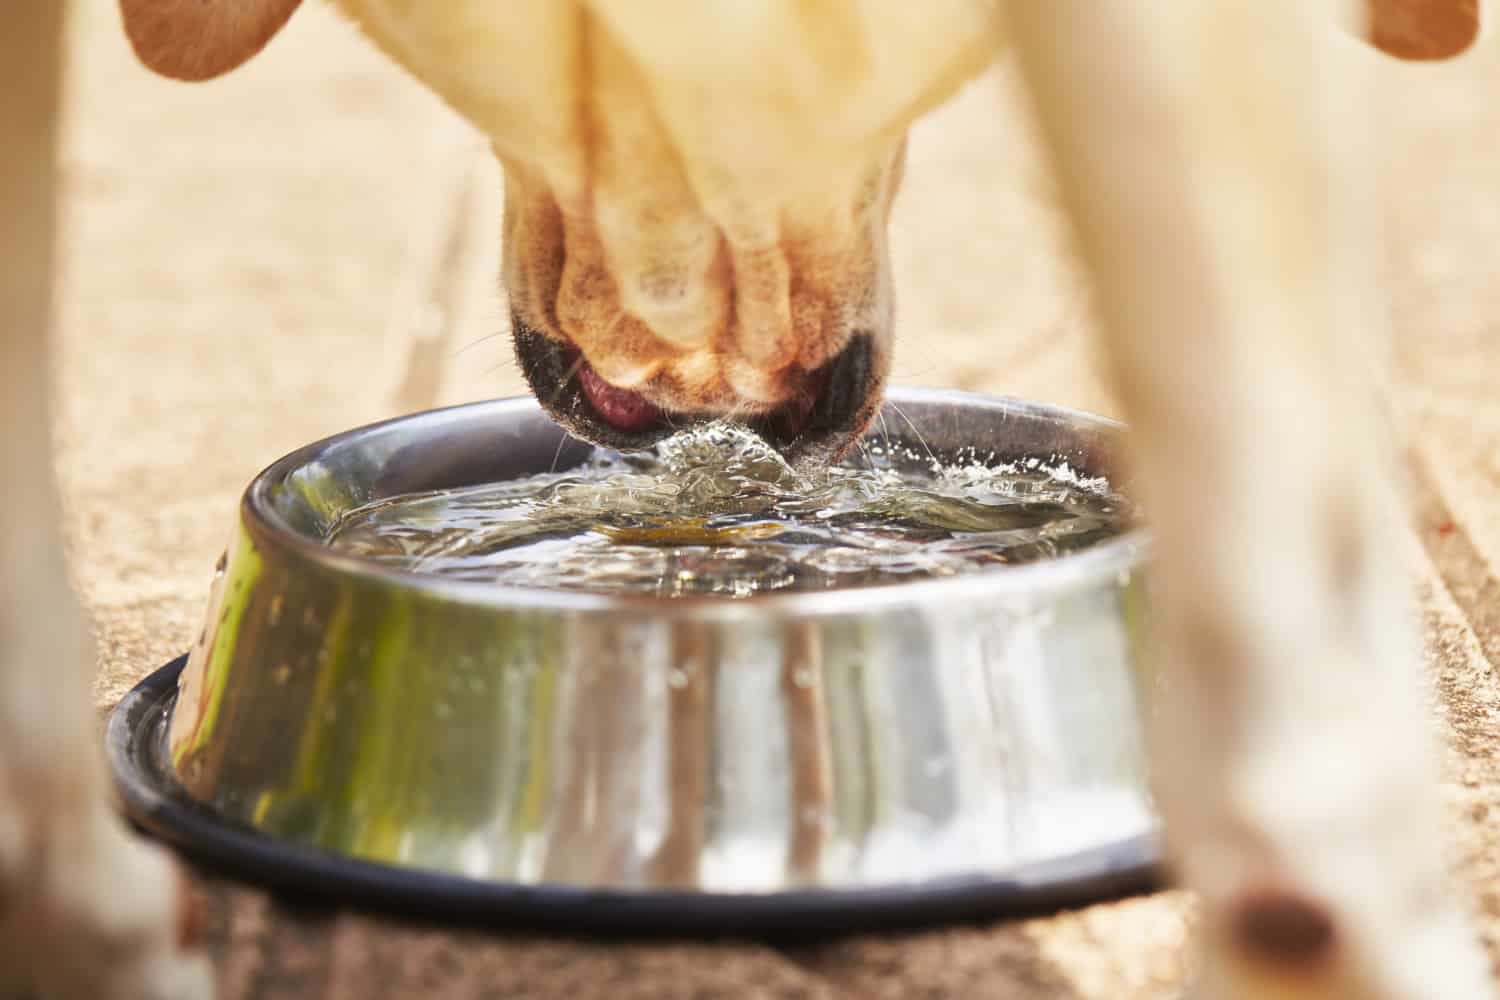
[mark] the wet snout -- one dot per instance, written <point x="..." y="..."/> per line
<point x="651" y="305"/>
<point x="820" y="417"/>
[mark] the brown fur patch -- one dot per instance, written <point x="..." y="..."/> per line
<point x="1423" y="29"/>
<point x="200" y="39"/>
<point x="191" y="916"/>
<point x="1283" y="929"/>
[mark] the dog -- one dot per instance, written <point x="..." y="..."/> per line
<point x="696" y="202"/>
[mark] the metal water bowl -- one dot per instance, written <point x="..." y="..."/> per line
<point x="948" y="747"/>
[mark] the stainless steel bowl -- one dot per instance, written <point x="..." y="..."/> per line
<point x="977" y="735"/>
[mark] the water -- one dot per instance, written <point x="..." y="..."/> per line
<point x="717" y="511"/>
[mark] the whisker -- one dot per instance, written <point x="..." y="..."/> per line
<point x="904" y="374"/>
<point x="864" y="450"/>
<point x="566" y="378"/>
<point x="485" y="339"/>
<point x="558" y="453"/>
<point x="920" y="439"/>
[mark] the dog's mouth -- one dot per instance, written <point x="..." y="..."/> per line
<point x="820" y="423"/>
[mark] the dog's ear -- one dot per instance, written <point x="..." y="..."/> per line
<point x="1423" y="29"/>
<point x="201" y="39"/>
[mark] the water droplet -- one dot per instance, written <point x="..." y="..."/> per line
<point x="443" y="710"/>
<point x="678" y="679"/>
<point x="281" y="675"/>
<point x="803" y="677"/>
<point x="273" y="614"/>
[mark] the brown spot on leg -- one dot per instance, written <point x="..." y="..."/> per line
<point x="1283" y="929"/>
<point x="191" y="917"/>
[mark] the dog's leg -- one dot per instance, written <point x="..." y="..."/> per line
<point x="1210" y="161"/>
<point x="85" y="909"/>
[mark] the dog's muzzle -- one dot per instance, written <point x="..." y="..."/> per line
<point x="820" y="424"/>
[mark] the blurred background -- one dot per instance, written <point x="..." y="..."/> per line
<point x="239" y="257"/>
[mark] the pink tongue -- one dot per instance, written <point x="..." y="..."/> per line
<point x="623" y="409"/>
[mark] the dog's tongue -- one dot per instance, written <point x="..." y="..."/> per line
<point x="623" y="409"/>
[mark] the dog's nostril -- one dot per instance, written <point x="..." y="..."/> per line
<point x="792" y="418"/>
<point x="839" y="401"/>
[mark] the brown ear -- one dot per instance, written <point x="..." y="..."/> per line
<point x="1423" y="29"/>
<point x="200" y="39"/>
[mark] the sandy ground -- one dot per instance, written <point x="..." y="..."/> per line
<point x="237" y="253"/>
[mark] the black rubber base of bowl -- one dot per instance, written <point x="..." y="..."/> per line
<point x="155" y="804"/>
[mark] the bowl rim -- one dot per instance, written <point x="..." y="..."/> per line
<point x="1049" y="577"/>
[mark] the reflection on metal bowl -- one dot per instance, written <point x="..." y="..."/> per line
<point x="979" y="734"/>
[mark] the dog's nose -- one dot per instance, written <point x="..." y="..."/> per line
<point x="823" y="415"/>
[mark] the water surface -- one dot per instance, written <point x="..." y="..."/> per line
<point x="716" y="511"/>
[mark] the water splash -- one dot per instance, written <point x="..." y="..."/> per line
<point x="715" y="510"/>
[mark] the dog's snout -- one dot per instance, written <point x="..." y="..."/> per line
<point x="643" y="305"/>
<point x="822" y="416"/>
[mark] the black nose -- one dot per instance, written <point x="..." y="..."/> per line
<point x="842" y="399"/>
<point x="849" y="390"/>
